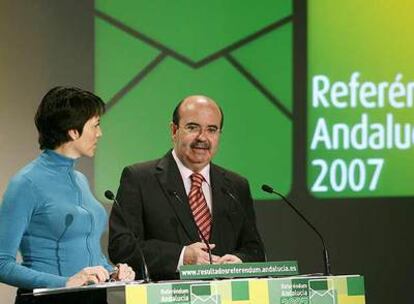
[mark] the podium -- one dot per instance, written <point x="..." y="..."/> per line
<point x="341" y="289"/>
<point x="347" y="289"/>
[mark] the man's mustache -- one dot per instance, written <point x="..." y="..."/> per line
<point x="200" y="144"/>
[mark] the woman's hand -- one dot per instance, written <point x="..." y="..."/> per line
<point x="123" y="273"/>
<point x="88" y="275"/>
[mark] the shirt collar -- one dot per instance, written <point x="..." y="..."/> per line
<point x="57" y="160"/>
<point x="186" y="173"/>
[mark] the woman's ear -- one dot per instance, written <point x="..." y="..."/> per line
<point x="73" y="134"/>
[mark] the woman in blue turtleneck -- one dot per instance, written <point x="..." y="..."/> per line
<point x="48" y="211"/>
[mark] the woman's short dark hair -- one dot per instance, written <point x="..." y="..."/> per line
<point x="63" y="109"/>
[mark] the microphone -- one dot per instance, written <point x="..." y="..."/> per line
<point x="110" y="196"/>
<point x="175" y="194"/>
<point x="68" y="222"/>
<point x="236" y="201"/>
<point x="327" y="265"/>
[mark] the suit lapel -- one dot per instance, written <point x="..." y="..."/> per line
<point x="171" y="182"/>
<point x="218" y="181"/>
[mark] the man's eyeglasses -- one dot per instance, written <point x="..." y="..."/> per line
<point x="197" y="129"/>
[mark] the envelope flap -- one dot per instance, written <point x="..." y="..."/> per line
<point x="196" y="29"/>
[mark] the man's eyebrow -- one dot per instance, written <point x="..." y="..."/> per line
<point x="197" y="124"/>
<point x="192" y="123"/>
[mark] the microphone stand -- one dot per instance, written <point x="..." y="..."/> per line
<point x="257" y="236"/>
<point x="109" y="195"/>
<point x="327" y="265"/>
<point x="175" y="194"/>
<point x="68" y="222"/>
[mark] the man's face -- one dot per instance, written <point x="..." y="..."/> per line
<point x="196" y="138"/>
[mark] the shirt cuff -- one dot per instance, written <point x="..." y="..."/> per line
<point x="181" y="259"/>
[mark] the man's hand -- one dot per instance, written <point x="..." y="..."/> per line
<point x="123" y="273"/>
<point x="229" y="259"/>
<point x="197" y="253"/>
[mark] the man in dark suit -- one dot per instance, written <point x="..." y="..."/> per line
<point x="177" y="204"/>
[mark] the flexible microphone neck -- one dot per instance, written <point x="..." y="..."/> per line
<point x="203" y="239"/>
<point x="257" y="236"/>
<point x="327" y="265"/>
<point x="110" y="196"/>
<point x="68" y="222"/>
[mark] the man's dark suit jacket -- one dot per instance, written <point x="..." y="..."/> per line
<point x="155" y="206"/>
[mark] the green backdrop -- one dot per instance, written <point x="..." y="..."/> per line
<point x="151" y="54"/>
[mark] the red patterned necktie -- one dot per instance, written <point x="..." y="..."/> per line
<point x="198" y="205"/>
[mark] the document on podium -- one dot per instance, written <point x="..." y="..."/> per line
<point x="106" y="285"/>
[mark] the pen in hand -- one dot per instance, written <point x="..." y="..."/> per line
<point x="112" y="274"/>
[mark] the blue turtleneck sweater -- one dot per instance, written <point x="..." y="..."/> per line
<point x="51" y="216"/>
